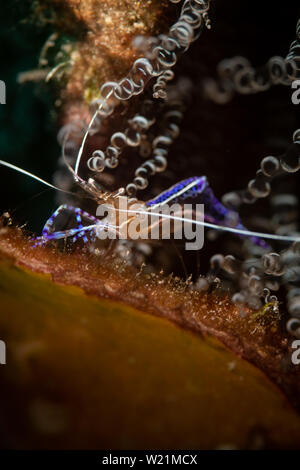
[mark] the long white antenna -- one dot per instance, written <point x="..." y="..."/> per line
<point x="37" y="178"/>
<point x="248" y="233"/>
<point x="87" y="133"/>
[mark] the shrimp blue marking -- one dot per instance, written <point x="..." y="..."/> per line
<point x="186" y="188"/>
<point x="215" y="211"/>
<point x="78" y="232"/>
<point x="191" y="187"/>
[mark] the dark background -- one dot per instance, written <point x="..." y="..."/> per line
<point x="27" y="121"/>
